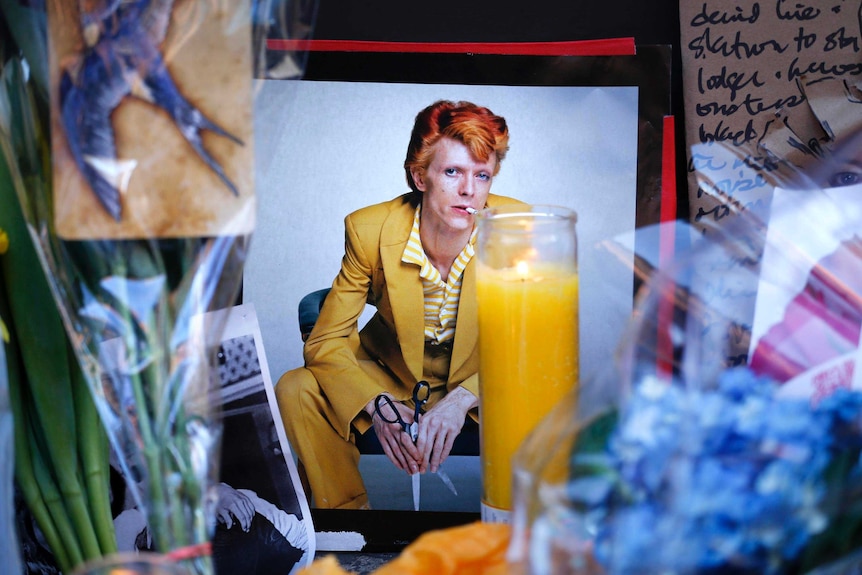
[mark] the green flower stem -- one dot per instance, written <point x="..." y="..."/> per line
<point x="93" y="449"/>
<point x="46" y="361"/>
<point x="153" y="457"/>
<point x="48" y="492"/>
<point x="24" y="465"/>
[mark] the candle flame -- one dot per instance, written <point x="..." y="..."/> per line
<point x="523" y="269"/>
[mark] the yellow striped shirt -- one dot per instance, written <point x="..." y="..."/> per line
<point x="441" y="298"/>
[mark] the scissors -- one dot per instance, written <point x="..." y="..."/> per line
<point x="386" y="410"/>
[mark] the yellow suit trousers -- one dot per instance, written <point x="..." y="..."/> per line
<point x="331" y="462"/>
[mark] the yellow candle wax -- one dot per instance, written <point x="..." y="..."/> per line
<point x="528" y="360"/>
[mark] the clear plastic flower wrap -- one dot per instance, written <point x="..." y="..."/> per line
<point x="731" y="441"/>
<point x="127" y="130"/>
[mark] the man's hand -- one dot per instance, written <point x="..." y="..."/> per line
<point x="439" y="427"/>
<point x="397" y="445"/>
<point x="233" y="504"/>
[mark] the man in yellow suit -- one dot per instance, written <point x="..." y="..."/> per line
<point x="413" y="259"/>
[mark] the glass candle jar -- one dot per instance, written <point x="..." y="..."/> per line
<point x="527" y="291"/>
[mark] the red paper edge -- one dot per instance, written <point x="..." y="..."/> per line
<point x="667" y="240"/>
<point x="668" y="174"/>
<point x="603" y="47"/>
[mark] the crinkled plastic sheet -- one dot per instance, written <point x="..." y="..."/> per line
<point x="727" y="434"/>
<point x="131" y="297"/>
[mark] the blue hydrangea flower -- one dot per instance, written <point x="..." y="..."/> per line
<point x="733" y="479"/>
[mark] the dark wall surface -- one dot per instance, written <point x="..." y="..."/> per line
<point x="648" y="21"/>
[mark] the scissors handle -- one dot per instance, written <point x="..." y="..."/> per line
<point x="421" y="393"/>
<point x="387" y="411"/>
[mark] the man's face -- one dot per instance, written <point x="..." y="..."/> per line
<point x="454" y="181"/>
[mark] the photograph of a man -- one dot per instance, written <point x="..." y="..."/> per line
<point x="412" y="257"/>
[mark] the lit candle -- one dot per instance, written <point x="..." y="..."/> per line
<point x="527" y="292"/>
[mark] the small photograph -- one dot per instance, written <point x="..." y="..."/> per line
<point x="263" y="522"/>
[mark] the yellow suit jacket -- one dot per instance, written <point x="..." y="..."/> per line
<point x="352" y="367"/>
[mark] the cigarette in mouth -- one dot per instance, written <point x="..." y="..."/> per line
<point x="472" y="210"/>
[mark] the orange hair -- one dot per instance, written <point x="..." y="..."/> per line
<point x="476" y="127"/>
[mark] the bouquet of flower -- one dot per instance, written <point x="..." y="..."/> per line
<point x="61" y="453"/>
<point x="131" y="192"/>
<point x="728" y="434"/>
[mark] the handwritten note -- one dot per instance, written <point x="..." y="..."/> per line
<point x="768" y="86"/>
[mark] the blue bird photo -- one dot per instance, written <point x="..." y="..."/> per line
<point x="122" y="59"/>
